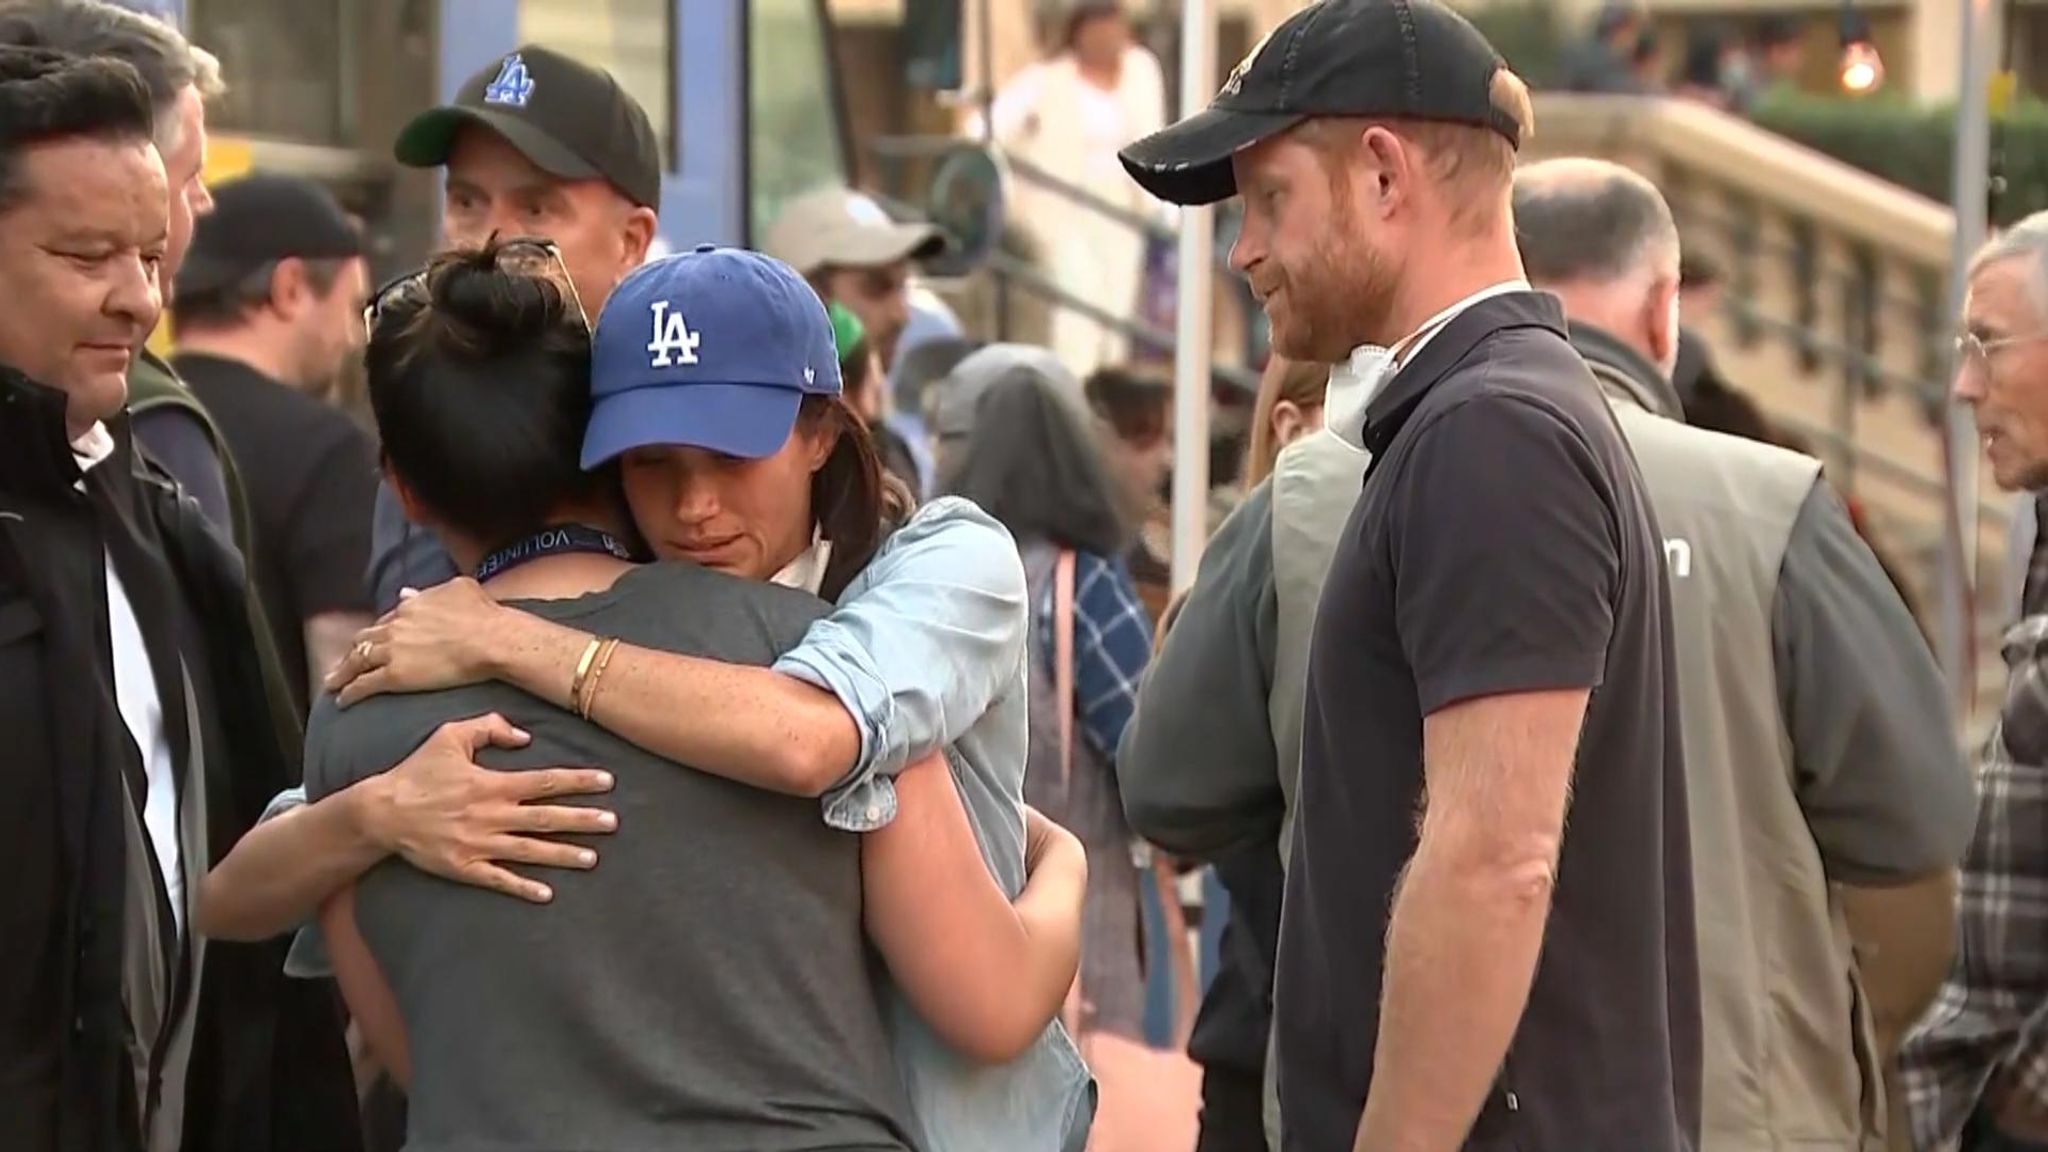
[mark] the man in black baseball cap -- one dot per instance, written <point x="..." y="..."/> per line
<point x="539" y="144"/>
<point x="535" y="144"/>
<point x="1484" y="977"/>
<point x="268" y="311"/>
<point x="1418" y="63"/>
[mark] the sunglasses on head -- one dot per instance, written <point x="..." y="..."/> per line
<point x="525" y="256"/>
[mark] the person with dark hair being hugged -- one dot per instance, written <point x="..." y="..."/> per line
<point x="142" y="735"/>
<point x="1458" y="966"/>
<point x="571" y="157"/>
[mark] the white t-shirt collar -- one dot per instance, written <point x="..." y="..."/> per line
<point x="807" y="571"/>
<point x="94" y="447"/>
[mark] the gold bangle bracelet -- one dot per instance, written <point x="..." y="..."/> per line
<point x="604" y="659"/>
<point x="583" y="669"/>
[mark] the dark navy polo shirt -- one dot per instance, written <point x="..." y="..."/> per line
<point x="1503" y="543"/>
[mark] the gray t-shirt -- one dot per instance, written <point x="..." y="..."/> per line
<point x="706" y="987"/>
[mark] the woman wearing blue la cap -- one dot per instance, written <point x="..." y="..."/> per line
<point x="715" y="379"/>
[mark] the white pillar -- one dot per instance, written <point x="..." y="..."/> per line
<point x="1192" y="334"/>
<point x="1972" y="161"/>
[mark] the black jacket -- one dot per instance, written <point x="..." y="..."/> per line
<point x="269" y="1070"/>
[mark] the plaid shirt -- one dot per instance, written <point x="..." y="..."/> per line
<point x="1112" y="645"/>
<point x="1991" y="1019"/>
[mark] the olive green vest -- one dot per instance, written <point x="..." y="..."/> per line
<point x="1790" y="1053"/>
<point x="152" y="385"/>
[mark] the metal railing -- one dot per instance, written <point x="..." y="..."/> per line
<point x="1011" y="273"/>
<point x="1843" y="346"/>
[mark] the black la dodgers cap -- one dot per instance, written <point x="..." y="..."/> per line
<point x="570" y="119"/>
<point x="1413" y="59"/>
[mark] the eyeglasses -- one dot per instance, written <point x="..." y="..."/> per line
<point x="525" y="256"/>
<point x="1974" y="349"/>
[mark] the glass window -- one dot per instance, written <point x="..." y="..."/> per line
<point x="284" y="65"/>
<point x="631" y="39"/>
<point x="794" y="143"/>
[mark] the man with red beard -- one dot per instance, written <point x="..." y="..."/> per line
<point x="1499" y="567"/>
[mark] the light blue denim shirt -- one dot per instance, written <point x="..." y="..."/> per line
<point x="926" y="649"/>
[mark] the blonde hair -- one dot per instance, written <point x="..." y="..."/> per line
<point x="1299" y="382"/>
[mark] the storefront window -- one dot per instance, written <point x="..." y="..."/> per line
<point x="284" y="64"/>
<point x="794" y="142"/>
<point x="631" y="39"/>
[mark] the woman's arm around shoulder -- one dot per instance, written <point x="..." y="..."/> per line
<point x="922" y="641"/>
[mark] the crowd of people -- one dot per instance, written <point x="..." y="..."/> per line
<point x="721" y="704"/>
<point x="1623" y="52"/>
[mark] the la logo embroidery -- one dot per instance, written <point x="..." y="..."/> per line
<point x="673" y="341"/>
<point x="810" y="375"/>
<point x="513" y="86"/>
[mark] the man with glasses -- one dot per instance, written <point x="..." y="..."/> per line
<point x="535" y="144"/>
<point x="1976" y="1069"/>
<point x="268" y="313"/>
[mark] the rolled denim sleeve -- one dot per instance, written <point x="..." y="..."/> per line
<point x="919" y="646"/>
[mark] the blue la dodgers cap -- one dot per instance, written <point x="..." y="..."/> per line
<point x="713" y="349"/>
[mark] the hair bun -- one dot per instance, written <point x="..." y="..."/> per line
<point x="481" y="302"/>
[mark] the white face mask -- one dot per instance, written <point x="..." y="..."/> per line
<point x="1353" y="383"/>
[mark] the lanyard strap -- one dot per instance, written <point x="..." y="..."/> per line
<point x="551" y="541"/>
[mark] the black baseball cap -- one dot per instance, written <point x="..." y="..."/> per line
<point x="570" y="119"/>
<point x="1414" y="59"/>
<point x="259" y="220"/>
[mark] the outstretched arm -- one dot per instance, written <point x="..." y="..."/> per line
<point x="988" y="975"/>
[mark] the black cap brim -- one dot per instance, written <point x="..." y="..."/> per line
<point x="428" y="139"/>
<point x="1189" y="162"/>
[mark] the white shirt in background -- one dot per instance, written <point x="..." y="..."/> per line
<point x="141" y="709"/>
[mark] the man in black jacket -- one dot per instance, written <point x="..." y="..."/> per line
<point x="143" y="737"/>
